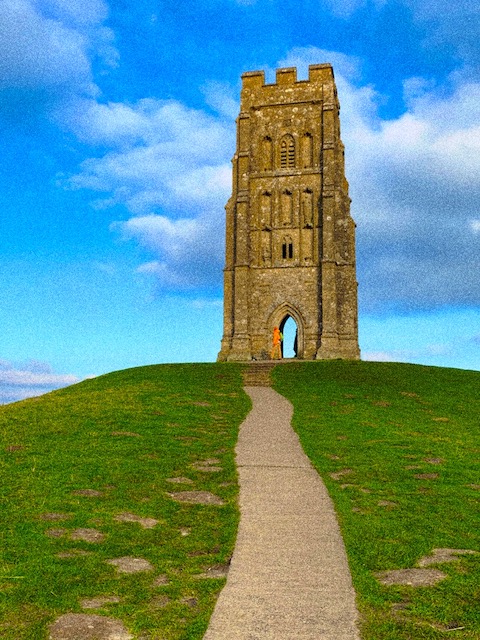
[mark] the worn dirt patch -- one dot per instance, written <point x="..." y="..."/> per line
<point x="128" y="434"/>
<point x="127" y="564"/>
<point x="207" y="468"/>
<point x="411" y="577"/>
<point x="88" y="535"/>
<point x="474" y="486"/>
<point x="159" y="602"/>
<point x="54" y="517"/>
<point x="426" y="476"/>
<point x="82" y="626"/>
<point x="387" y="503"/>
<point x="160" y="581"/>
<point x="434" y="460"/>
<point x="441" y="419"/>
<point x="190" y="602"/>
<point x="196" y="497"/>
<point x="184" y="532"/>
<point x="444" y="555"/>
<point x="97" y="603"/>
<point x="146" y="523"/>
<point x="336" y="475"/>
<point x="14" y="447"/>
<point x="201" y="404"/>
<point x="88" y="493"/>
<point x="180" y="480"/>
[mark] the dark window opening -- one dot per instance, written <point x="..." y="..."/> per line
<point x="287" y="250"/>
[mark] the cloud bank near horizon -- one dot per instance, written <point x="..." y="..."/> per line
<point x="19" y="381"/>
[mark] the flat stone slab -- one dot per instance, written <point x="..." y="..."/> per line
<point x="196" y="497"/>
<point x="82" y="626"/>
<point x="88" y="535"/>
<point x="438" y="556"/>
<point x="289" y="577"/>
<point x="99" y="602"/>
<point x="180" y="480"/>
<point x="146" y="523"/>
<point x="217" y="571"/>
<point x="127" y="564"/>
<point x="411" y="577"/>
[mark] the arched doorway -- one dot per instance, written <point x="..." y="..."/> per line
<point x="290" y="337"/>
<point x="290" y="322"/>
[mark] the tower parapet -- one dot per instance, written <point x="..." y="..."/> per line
<point x="290" y="248"/>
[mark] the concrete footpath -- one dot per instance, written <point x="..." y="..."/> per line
<point x="289" y="578"/>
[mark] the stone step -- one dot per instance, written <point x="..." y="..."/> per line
<point x="258" y="373"/>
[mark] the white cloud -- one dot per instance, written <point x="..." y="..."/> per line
<point x="414" y="182"/>
<point x="380" y="356"/>
<point x="48" y="46"/>
<point x="29" y="379"/>
<point x="190" y="251"/>
<point x="475" y="226"/>
<point x="163" y="154"/>
<point x="223" y="98"/>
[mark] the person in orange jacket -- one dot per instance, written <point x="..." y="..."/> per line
<point x="276" y="353"/>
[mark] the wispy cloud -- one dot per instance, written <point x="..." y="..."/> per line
<point x="48" y="49"/>
<point x="26" y="380"/>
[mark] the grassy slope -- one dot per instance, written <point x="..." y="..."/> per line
<point x="383" y="424"/>
<point x="56" y="444"/>
<point x="373" y="419"/>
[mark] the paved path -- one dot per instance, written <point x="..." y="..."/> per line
<point x="289" y="578"/>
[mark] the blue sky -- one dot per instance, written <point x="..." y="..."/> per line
<point x="117" y="122"/>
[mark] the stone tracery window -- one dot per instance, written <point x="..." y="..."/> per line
<point x="287" y="152"/>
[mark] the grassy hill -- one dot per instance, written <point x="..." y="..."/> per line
<point x="398" y="448"/>
<point x="89" y="475"/>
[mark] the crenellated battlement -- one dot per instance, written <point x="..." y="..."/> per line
<point x="317" y="74"/>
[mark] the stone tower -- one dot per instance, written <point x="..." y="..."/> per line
<point x="290" y="239"/>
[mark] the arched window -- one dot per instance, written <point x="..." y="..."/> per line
<point x="287" y="152"/>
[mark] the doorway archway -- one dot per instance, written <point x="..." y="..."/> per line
<point x="280" y="318"/>
<point x="289" y="330"/>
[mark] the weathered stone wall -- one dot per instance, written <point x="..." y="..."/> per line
<point x="290" y="248"/>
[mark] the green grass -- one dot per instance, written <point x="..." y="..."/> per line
<point x="370" y="420"/>
<point x="382" y="424"/>
<point x="60" y="443"/>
